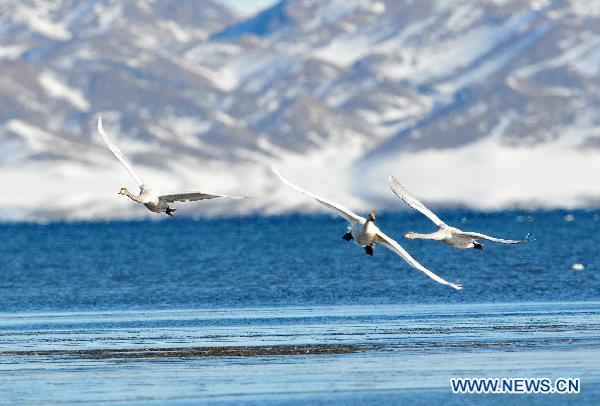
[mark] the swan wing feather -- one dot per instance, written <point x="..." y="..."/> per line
<point x="120" y="156"/>
<point x="396" y="248"/>
<point x="336" y="207"/>
<point x="494" y="239"/>
<point x="412" y="201"/>
<point x="192" y="197"/>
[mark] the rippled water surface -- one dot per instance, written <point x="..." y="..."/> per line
<point x="280" y="309"/>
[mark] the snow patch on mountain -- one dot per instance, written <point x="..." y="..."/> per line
<point x="12" y="52"/>
<point x="42" y="25"/>
<point x="56" y="87"/>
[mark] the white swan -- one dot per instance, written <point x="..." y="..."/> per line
<point x="150" y="198"/>
<point x="450" y="235"/>
<point x="366" y="234"/>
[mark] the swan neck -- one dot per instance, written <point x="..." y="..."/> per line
<point x="133" y="197"/>
<point x="431" y="236"/>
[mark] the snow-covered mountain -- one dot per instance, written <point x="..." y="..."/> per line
<point x="488" y="104"/>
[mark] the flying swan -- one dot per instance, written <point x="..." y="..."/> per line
<point x="365" y="233"/>
<point x="450" y="235"/>
<point x="149" y="197"/>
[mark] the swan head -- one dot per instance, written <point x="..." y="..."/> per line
<point x="410" y="235"/>
<point x="123" y="191"/>
<point x="371" y="216"/>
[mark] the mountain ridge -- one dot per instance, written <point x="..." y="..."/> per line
<point x="451" y="96"/>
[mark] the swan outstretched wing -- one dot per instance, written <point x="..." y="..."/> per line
<point x="397" y="249"/>
<point x="412" y="201"/>
<point x="192" y="197"/>
<point x="120" y="156"/>
<point x="494" y="239"/>
<point x="338" y="208"/>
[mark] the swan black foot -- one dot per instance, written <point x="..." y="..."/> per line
<point x="348" y="237"/>
<point x="169" y="210"/>
<point x="369" y="249"/>
<point x="477" y="246"/>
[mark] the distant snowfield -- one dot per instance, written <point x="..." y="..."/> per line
<point x="551" y="175"/>
<point x="489" y="176"/>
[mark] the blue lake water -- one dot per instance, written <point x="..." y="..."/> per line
<point x="291" y="281"/>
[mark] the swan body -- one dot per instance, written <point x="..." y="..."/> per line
<point x="366" y="234"/>
<point x="451" y="236"/>
<point x="151" y="198"/>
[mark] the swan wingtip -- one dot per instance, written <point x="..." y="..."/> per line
<point x="275" y="170"/>
<point x="101" y="126"/>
